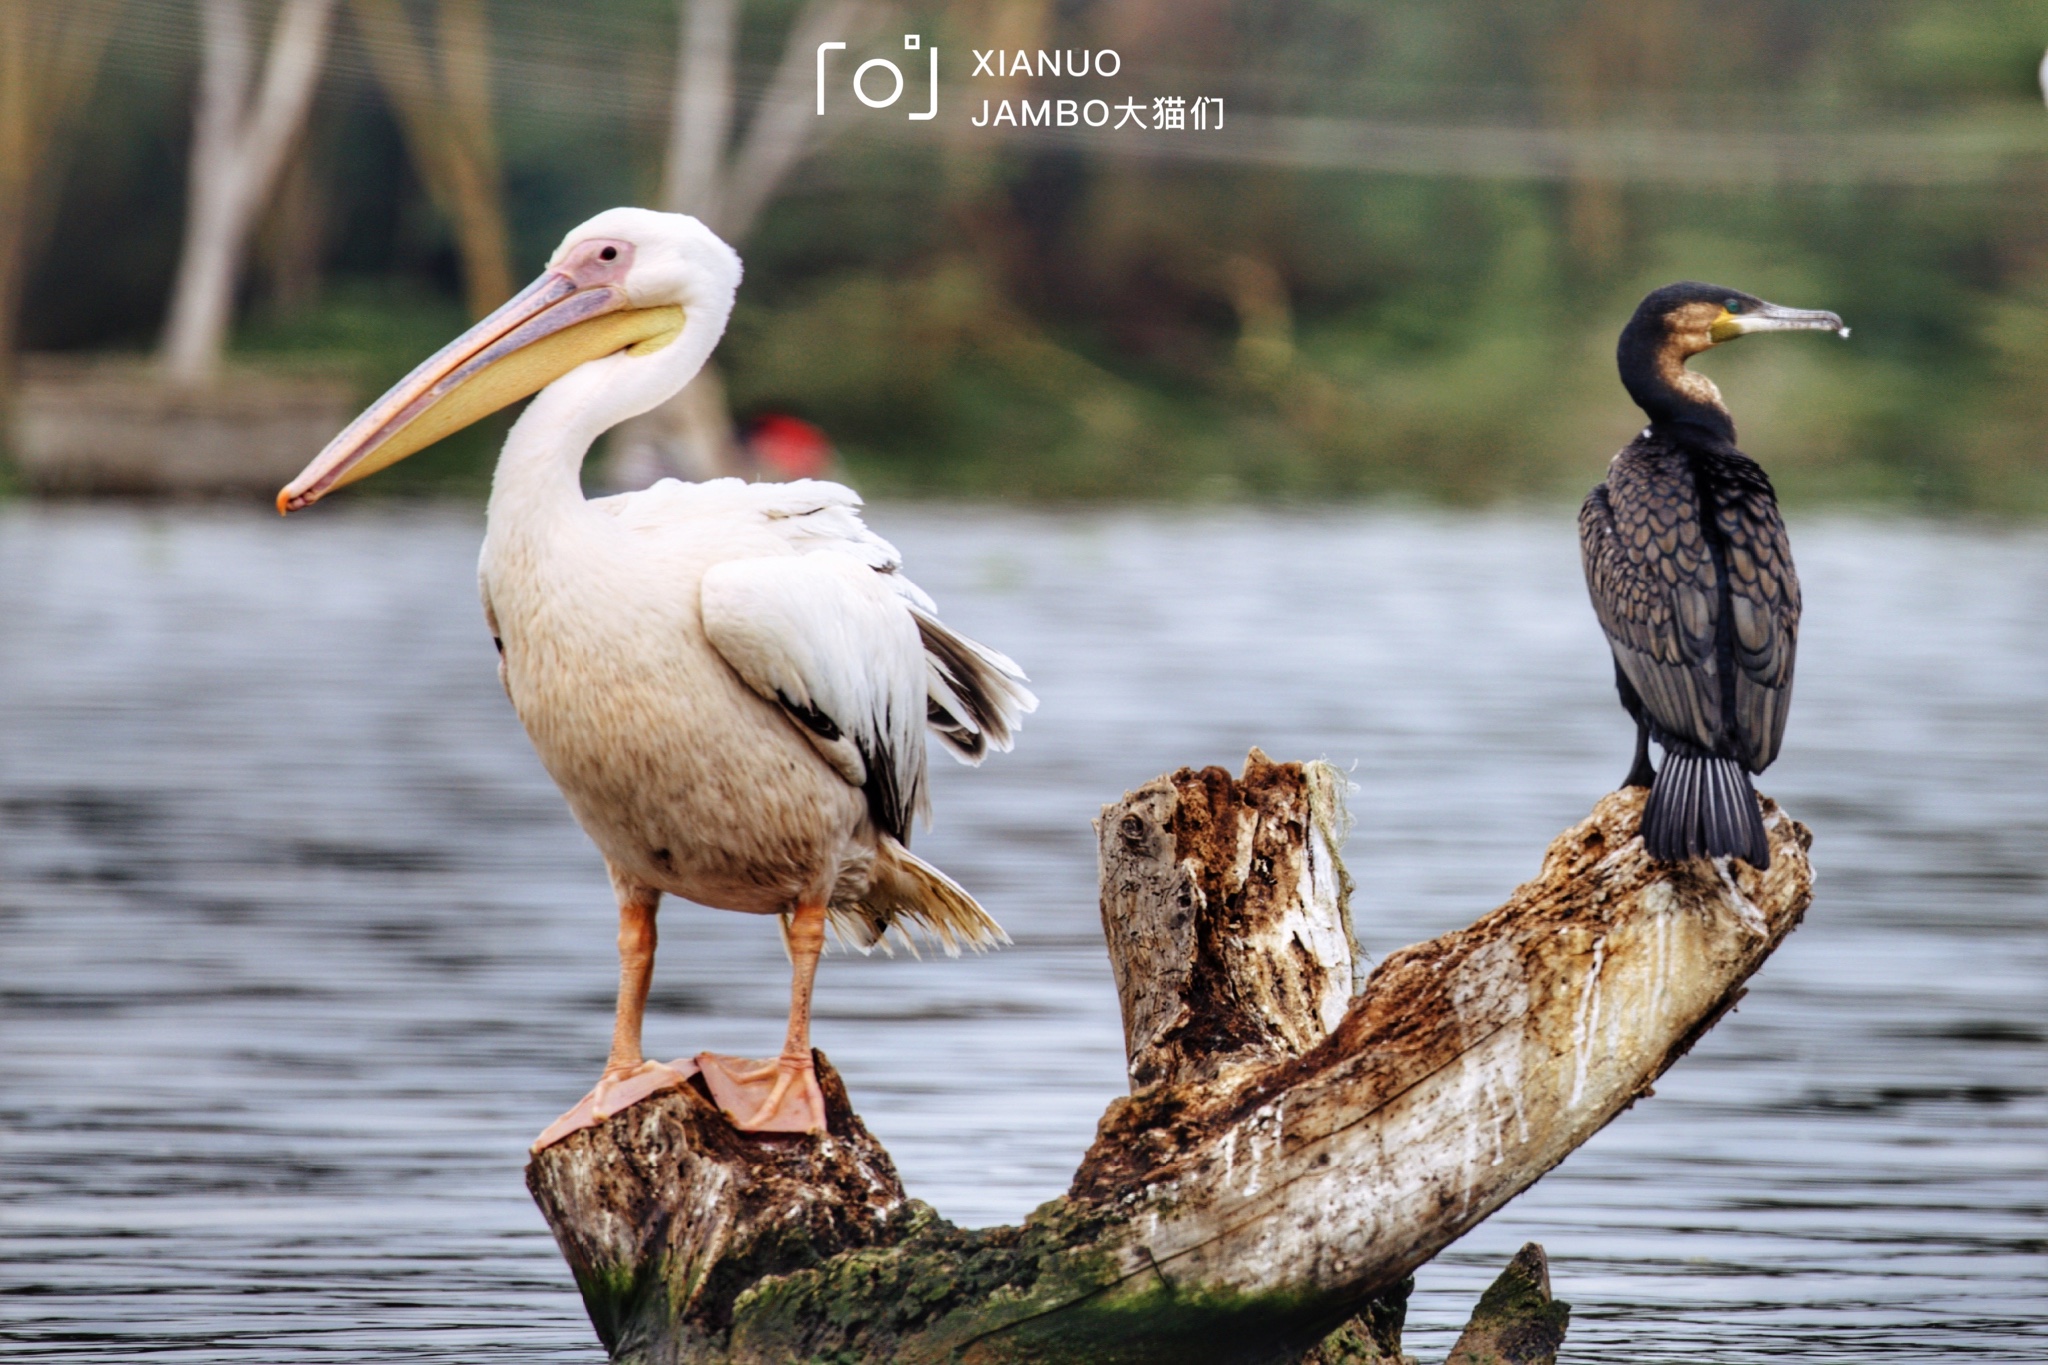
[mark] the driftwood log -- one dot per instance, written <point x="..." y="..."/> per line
<point x="1291" y="1150"/>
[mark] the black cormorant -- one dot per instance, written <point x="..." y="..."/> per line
<point x="1692" y="578"/>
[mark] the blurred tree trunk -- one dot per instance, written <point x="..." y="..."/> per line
<point x="727" y="186"/>
<point x="701" y="117"/>
<point x="241" y="134"/>
<point x="785" y="121"/>
<point x="49" y="53"/>
<point x="292" y="239"/>
<point x="1616" y="58"/>
<point x="444" y="111"/>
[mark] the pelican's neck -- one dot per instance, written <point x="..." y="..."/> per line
<point x="540" y="471"/>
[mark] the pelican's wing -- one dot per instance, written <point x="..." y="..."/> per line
<point x="975" y="696"/>
<point x="827" y="639"/>
<point x="1654" y="589"/>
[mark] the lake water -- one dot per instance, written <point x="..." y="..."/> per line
<point x="299" y="947"/>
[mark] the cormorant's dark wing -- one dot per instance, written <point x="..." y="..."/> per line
<point x="1763" y="598"/>
<point x="1655" y="590"/>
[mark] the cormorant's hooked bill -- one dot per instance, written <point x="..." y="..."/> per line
<point x="1691" y="576"/>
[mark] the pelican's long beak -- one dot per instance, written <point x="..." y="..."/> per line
<point x="1770" y="317"/>
<point x="542" y="333"/>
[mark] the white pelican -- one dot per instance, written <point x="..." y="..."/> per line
<point x="729" y="682"/>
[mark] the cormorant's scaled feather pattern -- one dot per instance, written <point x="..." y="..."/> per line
<point x="1691" y="576"/>
<point x="1659" y="588"/>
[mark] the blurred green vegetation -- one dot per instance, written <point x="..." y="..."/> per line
<point x="966" y="316"/>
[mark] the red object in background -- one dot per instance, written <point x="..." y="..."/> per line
<point x="788" y="447"/>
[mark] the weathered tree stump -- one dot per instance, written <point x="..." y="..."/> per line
<point x="1289" y="1154"/>
<point x="1227" y="913"/>
<point x="668" y="1214"/>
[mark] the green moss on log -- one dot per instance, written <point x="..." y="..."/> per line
<point x="1051" y="1290"/>
<point x="1373" y="1334"/>
<point x="1516" y="1322"/>
<point x="618" y="1297"/>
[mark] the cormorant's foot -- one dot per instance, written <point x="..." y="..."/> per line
<point x="616" y="1092"/>
<point x="1642" y="775"/>
<point x="778" y="1096"/>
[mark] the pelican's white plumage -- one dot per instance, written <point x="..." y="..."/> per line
<point x="664" y="655"/>
<point x="729" y="682"/>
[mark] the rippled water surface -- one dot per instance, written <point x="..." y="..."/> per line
<point x="299" y="948"/>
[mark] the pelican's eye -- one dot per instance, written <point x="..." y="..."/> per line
<point x="1732" y="305"/>
<point x="610" y="253"/>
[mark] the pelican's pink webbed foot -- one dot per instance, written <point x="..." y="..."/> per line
<point x="780" y="1095"/>
<point x="614" y="1094"/>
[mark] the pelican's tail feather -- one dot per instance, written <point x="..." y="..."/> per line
<point x="1702" y="805"/>
<point x="917" y="900"/>
<point x="974" y="696"/>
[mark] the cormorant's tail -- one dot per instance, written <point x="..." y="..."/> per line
<point x="1702" y="806"/>
<point x="912" y="897"/>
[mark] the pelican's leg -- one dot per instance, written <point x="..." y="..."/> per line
<point x="780" y="1096"/>
<point x="628" y="1076"/>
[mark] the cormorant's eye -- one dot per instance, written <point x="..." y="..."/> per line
<point x="1733" y="305"/>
